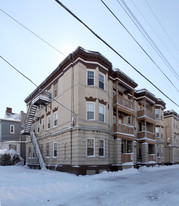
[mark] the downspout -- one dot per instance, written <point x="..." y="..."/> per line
<point x="72" y="109"/>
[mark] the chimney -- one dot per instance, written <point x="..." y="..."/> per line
<point x="8" y="110"/>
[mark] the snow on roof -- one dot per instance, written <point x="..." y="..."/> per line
<point x="12" y="116"/>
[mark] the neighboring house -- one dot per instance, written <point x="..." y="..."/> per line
<point x="10" y="129"/>
<point x="171" y="124"/>
<point x="85" y="118"/>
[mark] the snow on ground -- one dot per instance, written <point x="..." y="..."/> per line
<point x="21" y="186"/>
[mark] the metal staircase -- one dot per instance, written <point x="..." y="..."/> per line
<point x="37" y="150"/>
<point x="39" y="100"/>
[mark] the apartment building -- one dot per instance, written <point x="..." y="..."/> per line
<point x="85" y="118"/>
<point x="145" y="127"/>
<point x="159" y="131"/>
<point x="171" y="124"/>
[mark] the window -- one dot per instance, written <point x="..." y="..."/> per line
<point x="101" y="147"/>
<point x="55" y="91"/>
<point x="101" y="81"/>
<point x="129" y="120"/>
<point x="90" y="110"/>
<point x="126" y="146"/>
<point x="151" y="149"/>
<point x="55" y="119"/>
<point x="101" y="113"/>
<point x="47" y="150"/>
<point x="43" y="124"/>
<point x="90" y="148"/>
<point x="48" y="122"/>
<point x="55" y="149"/>
<point x="161" y="132"/>
<point x="157" y="131"/>
<point x="38" y="126"/>
<point x="90" y="78"/>
<point x="13" y="147"/>
<point x="161" y="115"/>
<point x="157" y="113"/>
<point x="12" y="129"/>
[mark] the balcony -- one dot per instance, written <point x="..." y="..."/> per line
<point x="41" y="100"/>
<point x="146" y="136"/>
<point x="124" y="105"/>
<point x="147" y="115"/>
<point x="125" y="131"/>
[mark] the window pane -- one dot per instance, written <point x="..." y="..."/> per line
<point x="101" y="117"/>
<point x="101" y="81"/>
<point x="90" y="147"/>
<point x="101" y="113"/>
<point x="101" y="147"/>
<point x="90" y="111"/>
<point x="90" y="115"/>
<point x="90" y="78"/>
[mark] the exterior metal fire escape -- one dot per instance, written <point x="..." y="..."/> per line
<point x="37" y="101"/>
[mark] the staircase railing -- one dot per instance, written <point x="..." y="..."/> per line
<point x="37" y="150"/>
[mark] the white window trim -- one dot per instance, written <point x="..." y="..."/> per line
<point x="55" y="113"/>
<point x="13" y="129"/>
<point x="87" y="77"/>
<point x="48" y="117"/>
<point x="103" y="148"/>
<point x="87" y="111"/>
<point x="87" y="148"/>
<point x="53" y="149"/>
<point x="100" y="73"/>
<point x="104" y="112"/>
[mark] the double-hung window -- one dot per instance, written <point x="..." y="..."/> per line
<point x="101" y="81"/>
<point x="48" y="122"/>
<point x="161" y="132"/>
<point x="101" y="113"/>
<point x="157" y="131"/>
<point x="90" y="110"/>
<point x="157" y="113"/>
<point x="54" y="149"/>
<point x="55" y="119"/>
<point x="90" y="78"/>
<point x="90" y="147"/>
<point x="101" y="147"/>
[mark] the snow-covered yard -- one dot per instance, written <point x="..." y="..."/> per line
<point x="143" y="187"/>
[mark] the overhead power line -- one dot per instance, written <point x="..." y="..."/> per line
<point x="162" y="26"/>
<point x="109" y="46"/>
<point x="139" y="45"/>
<point x="42" y="90"/>
<point x="154" y="31"/>
<point x="147" y="37"/>
<point x="39" y="37"/>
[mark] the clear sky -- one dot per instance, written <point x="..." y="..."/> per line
<point x="50" y="21"/>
